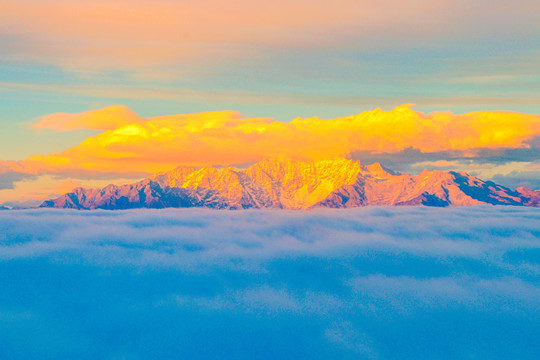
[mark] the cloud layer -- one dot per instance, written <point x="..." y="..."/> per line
<point x="376" y="283"/>
<point x="133" y="144"/>
<point x="108" y="118"/>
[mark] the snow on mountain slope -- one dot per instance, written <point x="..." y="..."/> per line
<point x="292" y="184"/>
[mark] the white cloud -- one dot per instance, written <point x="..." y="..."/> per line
<point x="374" y="283"/>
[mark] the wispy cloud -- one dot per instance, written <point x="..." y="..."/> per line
<point x="141" y="92"/>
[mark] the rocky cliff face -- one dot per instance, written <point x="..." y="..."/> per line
<point x="291" y="184"/>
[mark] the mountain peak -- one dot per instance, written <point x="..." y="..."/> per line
<point x="380" y="171"/>
<point x="297" y="184"/>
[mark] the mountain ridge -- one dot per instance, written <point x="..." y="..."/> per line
<point x="295" y="184"/>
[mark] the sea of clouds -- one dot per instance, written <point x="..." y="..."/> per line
<point x="367" y="283"/>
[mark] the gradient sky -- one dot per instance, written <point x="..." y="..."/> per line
<point x="267" y="59"/>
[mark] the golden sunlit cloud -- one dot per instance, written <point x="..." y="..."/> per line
<point x="136" y="145"/>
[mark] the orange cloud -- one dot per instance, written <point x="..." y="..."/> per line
<point x="225" y="137"/>
<point x="104" y="119"/>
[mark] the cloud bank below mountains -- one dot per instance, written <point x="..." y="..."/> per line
<point x="369" y="283"/>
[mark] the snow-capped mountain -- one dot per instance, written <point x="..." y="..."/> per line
<point x="292" y="184"/>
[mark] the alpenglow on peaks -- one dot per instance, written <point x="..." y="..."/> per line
<point x="292" y="184"/>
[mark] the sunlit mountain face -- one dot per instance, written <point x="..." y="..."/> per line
<point x="290" y="184"/>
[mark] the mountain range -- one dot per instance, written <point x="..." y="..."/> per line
<point x="293" y="184"/>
